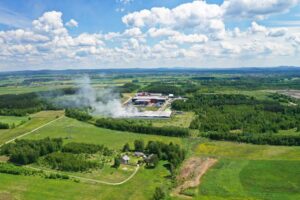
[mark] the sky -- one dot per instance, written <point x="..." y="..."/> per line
<point x="85" y="34"/>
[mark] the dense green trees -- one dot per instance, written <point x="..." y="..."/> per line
<point x="27" y="103"/>
<point x="78" y="148"/>
<point x="117" y="162"/>
<point x="68" y="162"/>
<point x="28" y="151"/>
<point x="139" y="145"/>
<point x="124" y="125"/>
<point x="164" y="88"/>
<point x="152" y="161"/>
<point x="272" y="139"/>
<point x="128" y="88"/>
<point x="77" y="114"/>
<point x="126" y="148"/>
<point x="227" y="113"/>
<point x="170" y="152"/>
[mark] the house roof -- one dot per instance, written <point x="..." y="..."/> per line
<point x="125" y="157"/>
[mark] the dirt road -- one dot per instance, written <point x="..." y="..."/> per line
<point x="190" y="174"/>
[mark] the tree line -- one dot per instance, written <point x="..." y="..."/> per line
<point x="77" y="114"/>
<point x="124" y="125"/>
<point x="27" y="103"/>
<point x="271" y="139"/>
<point x="78" y="148"/>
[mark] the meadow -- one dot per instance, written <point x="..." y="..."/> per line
<point x="72" y="130"/>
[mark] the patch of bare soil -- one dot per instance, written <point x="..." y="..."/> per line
<point x="5" y="196"/>
<point x="190" y="174"/>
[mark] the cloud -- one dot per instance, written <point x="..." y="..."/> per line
<point x="188" y="15"/>
<point x="161" y="32"/>
<point x="256" y="28"/>
<point x="277" y="32"/>
<point x="192" y="38"/>
<point x="50" y="23"/>
<point x="256" y="8"/>
<point x="72" y="23"/>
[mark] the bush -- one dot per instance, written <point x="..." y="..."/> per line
<point x="8" y="168"/>
<point x="4" y="126"/>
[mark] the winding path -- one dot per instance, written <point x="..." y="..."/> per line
<point x="92" y="180"/>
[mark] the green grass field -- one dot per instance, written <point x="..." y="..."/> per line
<point x="251" y="179"/>
<point x="246" y="171"/>
<point x="36" y="121"/>
<point x="77" y="131"/>
<point x="182" y="120"/>
<point x="13" y="120"/>
<point x="234" y="150"/>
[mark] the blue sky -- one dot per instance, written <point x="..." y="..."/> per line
<point x="38" y="34"/>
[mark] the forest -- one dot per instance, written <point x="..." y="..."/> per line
<point x="224" y="114"/>
<point x="28" y="103"/>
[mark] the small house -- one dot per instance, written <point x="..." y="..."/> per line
<point x="125" y="159"/>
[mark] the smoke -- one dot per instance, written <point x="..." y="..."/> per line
<point x="104" y="102"/>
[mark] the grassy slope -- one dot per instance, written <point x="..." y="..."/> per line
<point x="78" y="131"/>
<point x="12" y="120"/>
<point x="37" y="120"/>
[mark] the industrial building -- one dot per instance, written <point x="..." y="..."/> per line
<point x="145" y="98"/>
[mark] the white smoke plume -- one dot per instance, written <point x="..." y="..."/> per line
<point x="104" y="102"/>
